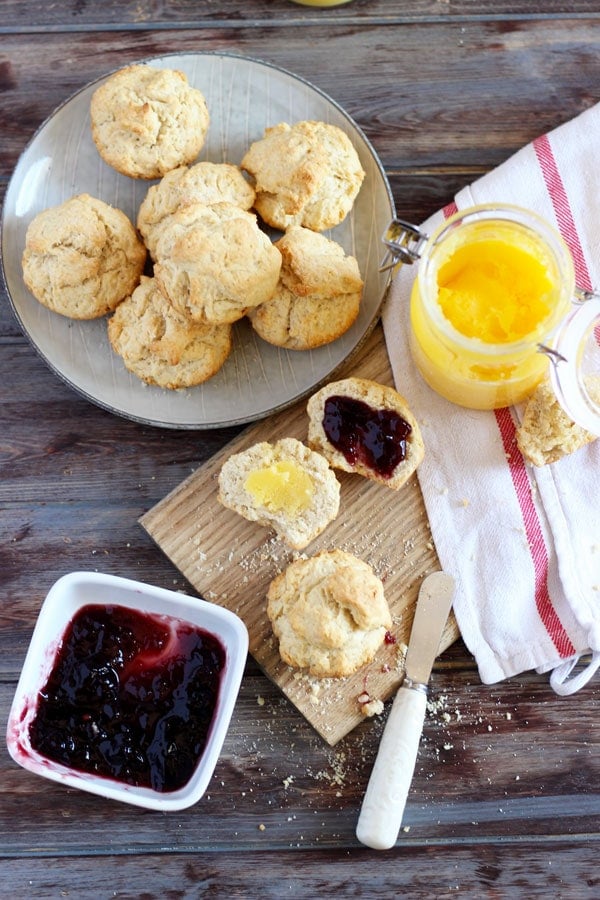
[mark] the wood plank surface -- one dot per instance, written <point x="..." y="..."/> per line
<point x="425" y="872"/>
<point x="505" y="801"/>
<point x="422" y="116"/>
<point x="231" y="561"/>
<point x="77" y="15"/>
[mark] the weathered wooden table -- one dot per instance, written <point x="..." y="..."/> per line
<point x="505" y="800"/>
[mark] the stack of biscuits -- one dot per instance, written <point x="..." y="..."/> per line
<point x="200" y="256"/>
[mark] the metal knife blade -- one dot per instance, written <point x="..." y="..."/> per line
<point x="431" y="614"/>
<point x="385" y="798"/>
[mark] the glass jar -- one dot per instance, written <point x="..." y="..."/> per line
<point x="575" y="358"/>
<point x="494" y="281"/>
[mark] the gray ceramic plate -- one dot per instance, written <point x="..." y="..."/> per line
<point x="244" y="97"/>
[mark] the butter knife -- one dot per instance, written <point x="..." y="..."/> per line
<point x="385" y="798"/>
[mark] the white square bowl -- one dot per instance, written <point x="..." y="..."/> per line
<point x="65" y="599"/>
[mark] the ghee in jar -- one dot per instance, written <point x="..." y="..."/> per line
<point x="493" y="283"/>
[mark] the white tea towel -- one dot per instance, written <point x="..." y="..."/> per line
<point x="522" y="542"/>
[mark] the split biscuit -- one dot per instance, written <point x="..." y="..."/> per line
<point x="365" y="427"/>
<point x="147" y="121"/>
<point x="161" y="346"/>
<point x="204" y="182"/>
<point x="329" y="614"/>
<point x="214" y="263"/>
<point x="305" y="174"/>
<point x="546" y="432"/>
<point x="285" y="486"/>
<point x="82" y="257"/>
<point x="318" y="295"/>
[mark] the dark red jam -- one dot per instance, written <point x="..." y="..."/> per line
<point x="131" y="697"/>
<point x="373" y="437"/>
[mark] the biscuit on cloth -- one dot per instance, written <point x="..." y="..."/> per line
<point x="318" y="295"/>
<point x="147" y="121"/>
<point x="365" y="427"/>
<point x="546" y="432"/>
<point x="305" y="174"/>
<point x="214" y="263"/>
<point x="329" y="613"/>
<point x="285" y="486"/>
<point x="161" y="346"/>
<point x="82" y="258"/>
<point x="204" y="182"/>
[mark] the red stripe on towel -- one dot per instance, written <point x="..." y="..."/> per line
<point x="562" y="209"/>
<point x="539" y="552"/>
<point x="449" y="210"/>
<point x="564" y="216"/>
<point x="533" y="532"/>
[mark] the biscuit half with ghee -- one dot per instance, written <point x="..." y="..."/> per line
<point x="329" y="613"/>
<point x="285" y="486"/>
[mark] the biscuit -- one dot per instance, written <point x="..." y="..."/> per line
<point x="214" y="263"/>
<point x="284" y="486"/>
<point x="204" y="182"/>
<point x="546" y="432"/>
<point x="318" y="295"/>
<point x="365" y="427"/>
<point x="329" y="613"/>
<point x="305" y="174"/>
<point x="146" y="121"/>
<point x="161" y="346"/>
<point x="82" y="257"/>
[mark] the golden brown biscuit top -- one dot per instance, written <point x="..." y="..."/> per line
<point x="306" y="174"/>
<point x="205" y="182"/>
<point x="329" y="613"/>
<point x="146" y="121"/>
<point x="312" y="263"/>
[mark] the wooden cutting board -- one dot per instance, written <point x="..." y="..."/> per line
<point x="231" y="561"/>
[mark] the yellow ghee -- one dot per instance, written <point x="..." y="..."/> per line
<point x="493" y="283"/>
<point x="284" y="486"/>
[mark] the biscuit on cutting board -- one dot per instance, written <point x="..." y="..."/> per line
<point x="329" y="613"/>
<point x="365" y="427"/>
<point x="283" y="485"/>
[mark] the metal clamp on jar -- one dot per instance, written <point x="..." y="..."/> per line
<point x="494" y="299"/>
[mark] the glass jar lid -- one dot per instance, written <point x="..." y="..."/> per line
<point x="575" y="369"/>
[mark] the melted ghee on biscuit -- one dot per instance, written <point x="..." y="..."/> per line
<point x="284" y="486"/>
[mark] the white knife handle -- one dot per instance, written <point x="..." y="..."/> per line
<point x="385" y="798"/>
